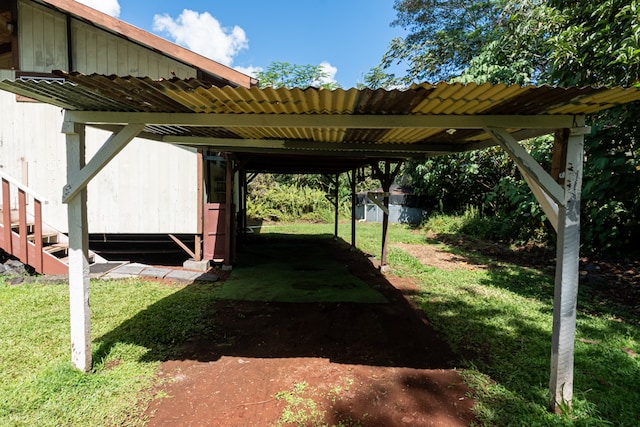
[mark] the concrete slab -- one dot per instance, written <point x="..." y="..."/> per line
<point x="157" y="273"/>
<point x="183" y="276"/>
<point x="192" y="264"/>
<point x="116" y="275"/>
<point x="131" y="269"/>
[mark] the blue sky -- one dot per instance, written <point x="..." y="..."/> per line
<point x="347" y="37"/>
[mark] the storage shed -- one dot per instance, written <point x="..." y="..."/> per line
<point x="405" y="207"/>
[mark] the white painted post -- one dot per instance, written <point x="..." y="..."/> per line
<point x="78" y="252"/>
<point x="567" y="276"/>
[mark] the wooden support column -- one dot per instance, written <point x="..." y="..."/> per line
<point x="78" y="251"/>
<point x="386" y="186"/>
<point x="336" y="196"/>
<point x="567" y="274"/>
<point x="562" y="205"/>
<point x="386" y="178"/>
<point x="228" y="222"/>
<point x="6" y="215"/>
<point x="353" y="208"/>
<point x="197" y="250"/>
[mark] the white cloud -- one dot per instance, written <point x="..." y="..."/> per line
<point x="331" y="73"/>
<point x="202" y="33"/>
<point x="110" y="7"/>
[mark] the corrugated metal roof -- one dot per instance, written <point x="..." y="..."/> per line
<point x="79" y="92"/>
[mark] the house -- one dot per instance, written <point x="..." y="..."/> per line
<point x="261" y="130"/>
<point x="172" y="182"/>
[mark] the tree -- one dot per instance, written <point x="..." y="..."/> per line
<point x="555" y="42"/>
<point x="285" y="74"/>
<point x="444" y="36"/>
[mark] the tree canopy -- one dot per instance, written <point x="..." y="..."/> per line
<point x="285" y="74"/>
<point x="555" y="42"/>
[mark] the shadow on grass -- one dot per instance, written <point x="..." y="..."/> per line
<point x="510" y="342"/>
<point x="314" y="312"/>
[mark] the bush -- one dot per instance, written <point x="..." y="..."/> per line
<point x="289" y="203"/>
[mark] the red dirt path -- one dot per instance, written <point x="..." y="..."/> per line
<point x="352" y="364"/>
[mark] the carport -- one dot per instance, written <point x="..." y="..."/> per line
<point x="331" y="132"/>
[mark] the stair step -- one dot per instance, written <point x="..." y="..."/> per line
<point x="56" y="247"/>
<point x="46" y="237"/>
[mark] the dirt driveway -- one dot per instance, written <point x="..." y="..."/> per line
<point x="311" y="364"/>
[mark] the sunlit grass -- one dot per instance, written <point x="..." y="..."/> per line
<point x="39" y="386"/>
<point x="498" y="320"/>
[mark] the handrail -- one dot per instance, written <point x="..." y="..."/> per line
<point x="23" y="187"/>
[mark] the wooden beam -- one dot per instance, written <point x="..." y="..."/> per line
<point x="78" y="254"/>
<point x="184" y="247"/>
<point x="386" y="187"/>
<point x="559" y="155"/>
<point x="567" y="275"/>
<point x="527" y="163"/>
<point x="361" y="121"/>
<point x="547" y="204"/>
<point x="228" y="213"/>
<point x="108" y="151"/>
<point x="353" y="183"/>
<point x="336" y="195"/>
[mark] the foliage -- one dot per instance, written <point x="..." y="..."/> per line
<point x="268" y="200"/>
<point x="285" y="74"/>
<point x="597" y="43"/>
<point x="443" y="36"/>
<point x="377" y="78"/>
<point x="295" y="197"/>
<point x="460" y="180"/>
<point x="611" y="191"/>
<point x="534" y="41"/>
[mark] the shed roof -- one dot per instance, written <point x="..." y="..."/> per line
<point x="353" y="125"/>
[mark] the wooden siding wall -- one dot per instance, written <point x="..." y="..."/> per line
<point x="96" y="51"/>
<point x="44" y="47"/>
<point x="148" y="188"/>
<point x="42" y="38"/>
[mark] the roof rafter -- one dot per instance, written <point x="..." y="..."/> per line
<point x="362" y="121"/>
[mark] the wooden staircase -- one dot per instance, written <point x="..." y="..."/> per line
<point x="24" y="235"/>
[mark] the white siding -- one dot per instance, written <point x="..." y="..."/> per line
<point x="96" y="51"/>
<point x="149" y="187"/>
<point x="43" y="47"/>
<point x="42" y="36"/>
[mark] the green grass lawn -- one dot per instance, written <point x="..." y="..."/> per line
<point x="497" y="319"/>
<point x="135" y="324"/>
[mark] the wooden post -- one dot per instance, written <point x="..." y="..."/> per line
<point x="6" y="215"/>
<point x="336" y="194"/>
<point x="78" y="251"/>
<point x="197" y="249"/>
<point x="567" y="275"/>
<point x="386" y="186"/>
<point x="37" y="233"/>
<point x="353" y="208"/>
<point x="228" y="213"/>
<point x="22" y="226"/>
